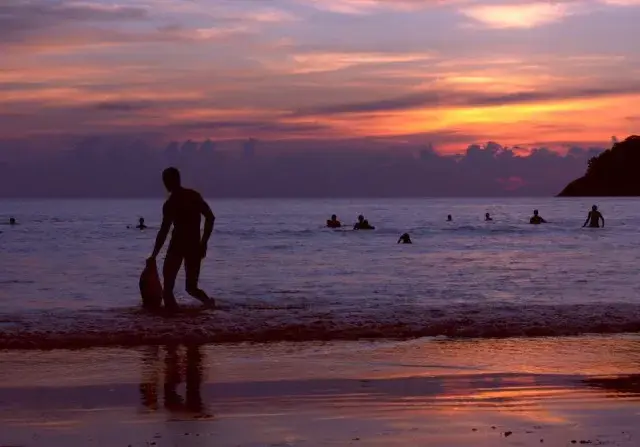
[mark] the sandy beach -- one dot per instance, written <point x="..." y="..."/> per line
<point x="511" y="392"/>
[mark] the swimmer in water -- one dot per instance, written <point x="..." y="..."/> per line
<point x="405" y="239"/>
<point x="487" y="217"/>
<point x="449" y="218"/>
<point x="536" y="219"/>
<point x="363" y="224"/>
<point x="593" y="218"/>
<point x="333" y="222"/>
<point x="141" y="225"/>
<point x="12" y="221"/>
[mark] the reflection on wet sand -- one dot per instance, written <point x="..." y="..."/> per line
<point x="438" y="393"/>
<point x="181" y="365"/>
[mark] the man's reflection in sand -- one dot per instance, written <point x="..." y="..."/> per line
<point x="181" y="364"/>
<point x="150" y="377"/>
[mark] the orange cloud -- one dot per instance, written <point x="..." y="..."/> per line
<point x="284" y="70"/>
<point x="301" y="63"/>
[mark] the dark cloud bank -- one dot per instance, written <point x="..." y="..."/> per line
<point x="122" y="167"/>
<point x="478" y="99"/>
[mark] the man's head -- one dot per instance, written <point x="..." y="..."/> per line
<point x="594" y="208"/>
<point x="171" y="179"/>
<point x="360" y="218"/>
<point x="535" y="212"/>
<point x="334" y="217"/>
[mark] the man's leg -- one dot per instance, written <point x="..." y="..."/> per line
<point x="192" y="265"/>
<point x="170" y="269"/>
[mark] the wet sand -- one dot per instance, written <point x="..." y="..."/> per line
<point x="509" y="392"/>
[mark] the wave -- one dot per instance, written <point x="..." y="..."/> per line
<point x="239" y="322"/>
<point x="15" y="281"/>
<point x="480" y="229"/>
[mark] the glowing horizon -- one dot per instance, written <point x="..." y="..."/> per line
<point x="519" y="73"/>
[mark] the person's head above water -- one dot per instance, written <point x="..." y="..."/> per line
<point x="360" y="218"/>
<point x="141" y="220"/>
<point x="594" y="208"/>
<point x="12" y="221"/>
<point x="487" y="215"/>
<point x="449" y="217"/>
<point x="334" y="217"/>
<point x="535" y="212"/>
<point x="171" y="179"/>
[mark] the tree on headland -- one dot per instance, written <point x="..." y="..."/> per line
<point x="614" y="172"/>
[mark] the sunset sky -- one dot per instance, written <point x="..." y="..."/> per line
<point x="450" y="72"/>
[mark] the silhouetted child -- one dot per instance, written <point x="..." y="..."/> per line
<point x="363" y="224"/>
<point x="405" y="239"/>
<point x="333" y="222"/>
<point x="141" y="225"/>
<point x="593" y="218"/>
<point x="536" y="219"/>
<point x="487" y="217"/>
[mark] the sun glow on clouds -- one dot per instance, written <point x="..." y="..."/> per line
<point x="528" y="15"/>
<point x="622" y="2"/>
<point x="242" y="69"/>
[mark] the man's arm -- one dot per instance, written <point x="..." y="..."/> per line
<point x="602" y="217"/>
<point x="167" y="220"/>
<point x="587" y="221"/>
<point x="209" y="220"/>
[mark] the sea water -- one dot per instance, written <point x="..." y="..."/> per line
<point x="69" y="271"/>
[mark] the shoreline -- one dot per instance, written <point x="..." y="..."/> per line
<point x="231" y="324"/>
<point x="420" y="392"/>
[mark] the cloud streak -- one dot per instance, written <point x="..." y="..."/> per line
<point x="19" y="17"/>
<point x="471" y="99"/>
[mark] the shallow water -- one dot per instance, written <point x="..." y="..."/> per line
<point x="69" y="271"/>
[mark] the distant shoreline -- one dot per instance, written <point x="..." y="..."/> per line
<point x="161" y="197"/>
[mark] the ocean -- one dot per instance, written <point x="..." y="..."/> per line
<point x="69" y="271"/>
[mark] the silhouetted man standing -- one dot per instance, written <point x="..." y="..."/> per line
<point x="183" y="210"/>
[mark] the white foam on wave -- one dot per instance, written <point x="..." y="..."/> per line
<point x="255" y="323"/>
